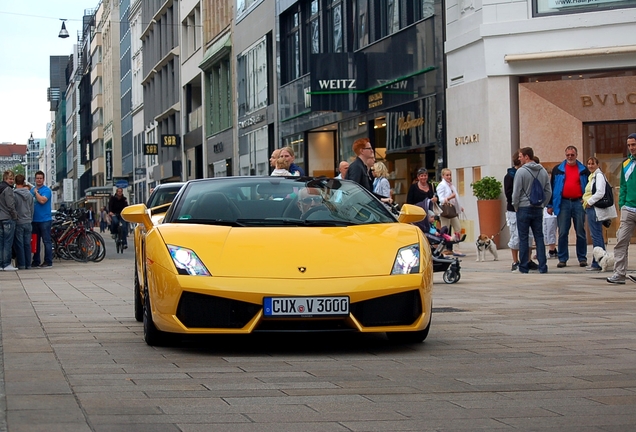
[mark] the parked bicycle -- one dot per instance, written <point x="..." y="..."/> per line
<point x="73" y="240"/>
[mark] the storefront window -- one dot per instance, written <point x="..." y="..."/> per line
<point x="553" y="7"/>
<point x="253" y="156"/>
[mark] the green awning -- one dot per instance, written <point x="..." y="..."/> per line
<point x="216" y="52"/>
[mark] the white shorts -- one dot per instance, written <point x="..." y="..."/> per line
<point x="511" y="221"/>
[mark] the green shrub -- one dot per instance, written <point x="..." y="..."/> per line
<point x="488" y="188"/>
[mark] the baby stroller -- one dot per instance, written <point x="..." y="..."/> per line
<point x="441" y="263"/>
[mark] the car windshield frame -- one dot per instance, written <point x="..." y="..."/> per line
<point x="163" y="191"/>
<point x="277" y="201"/>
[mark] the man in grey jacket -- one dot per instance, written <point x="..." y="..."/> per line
<point x="24" y="207"/>
<point x="530" y="216"/>
<point x="8" y="217"/>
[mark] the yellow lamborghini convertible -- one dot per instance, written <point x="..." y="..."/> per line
<point x="257" y="254"/>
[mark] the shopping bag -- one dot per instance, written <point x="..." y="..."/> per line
<point x="467" y="228"/>
<point x="34" y="243"/>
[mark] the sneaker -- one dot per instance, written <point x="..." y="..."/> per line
<point x="593" y="268"/>
<point x="561" y="264"/>
<point x="533" y="265"/>
<point x="125" y="246"/>
<point x="616" y="279"/>
<point x="632" y="278"/>
<point x="515" y="267"/>
<point x="9" y="268"/>
<point x="582" y="263"/>
<point x="45" y="266"/>
<point x="552" y="254"/>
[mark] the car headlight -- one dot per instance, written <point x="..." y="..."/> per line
<point x="187" y="262"/>
<point x="407" y="260"/>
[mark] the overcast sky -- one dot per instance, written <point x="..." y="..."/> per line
<point x="28" y="31"/>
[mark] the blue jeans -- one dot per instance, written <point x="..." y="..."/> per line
<point x="531" y="218"/>
<point x="7" y="231"/>
<point x="596" y="231"/>
<point x="124" y="226"/>
<point x="22" y="245"/>
<point x="43" y="232"/>
<point x="571" y="211"/>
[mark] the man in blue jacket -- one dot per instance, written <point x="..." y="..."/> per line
<point x="568" y="185"/>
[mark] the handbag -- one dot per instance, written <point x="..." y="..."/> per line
<point x="608" y="198"/>
<point x="448" y="211"/>
<point x="436" y="208"/>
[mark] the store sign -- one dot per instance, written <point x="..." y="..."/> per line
<point x="608" y="99"/>
<point x="170" y="140"/>
<point x="251" y="121"/>
<point x="109" y="165"/>
<point x="406" y="123"/>
<point x="151" y="149"/>
<point x="376" y="100"/>
<point x="561" y="4"/>
<point x="467" y="139"/>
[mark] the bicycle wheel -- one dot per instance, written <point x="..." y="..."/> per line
<point x="78" y="250"/>
<point x="100" y="249"/>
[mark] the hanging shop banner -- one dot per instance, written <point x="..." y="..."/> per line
<point x="151" y="149"/>
<point x="109" y="165"/>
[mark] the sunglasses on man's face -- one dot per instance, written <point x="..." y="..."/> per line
<point x="310" y="200"/>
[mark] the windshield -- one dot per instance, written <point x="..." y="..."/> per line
<point x="163" y="195"/>
<point x="276" y="201"/>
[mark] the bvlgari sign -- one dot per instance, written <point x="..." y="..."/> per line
<point x="467" y="139"/>
<point x="608" y="99"/>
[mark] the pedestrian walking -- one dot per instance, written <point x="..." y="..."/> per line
<point x="531" y="192"/>
<point x="568" y="182"/>
<point x="627" y="204"/>
<point x="103" y="220"/>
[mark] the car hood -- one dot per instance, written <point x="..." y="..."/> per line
<point x="294" y="252"/>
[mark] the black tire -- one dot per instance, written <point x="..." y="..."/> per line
<point x="409" y="337"/>
<point x="152" y="335"/>
<point x="101" y="247"/>
<point x="451" y="276"/>
<point x="139" y="306"/>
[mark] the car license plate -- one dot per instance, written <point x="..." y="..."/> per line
<point x="305" y="306"/>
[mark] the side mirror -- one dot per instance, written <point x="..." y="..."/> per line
<point x="411" y="213"/>
<point x="137" y="213"/>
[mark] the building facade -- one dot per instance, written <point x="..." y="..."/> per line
<point x="538" y="73"/>
<point x="162" y="88"/>
<point x="362" y="69"/>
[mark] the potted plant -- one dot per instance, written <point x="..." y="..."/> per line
<point x="487" y="190"/>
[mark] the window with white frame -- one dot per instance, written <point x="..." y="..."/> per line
<point x="252" y="78"/>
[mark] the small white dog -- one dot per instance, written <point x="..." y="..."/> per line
<point x="603" y="258"/>
<point x="485" y="243"/>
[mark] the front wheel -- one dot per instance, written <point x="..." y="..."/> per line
<point x="139" y="305"/>
<point x="152" y="335"/>
<point x="451" y="276"/>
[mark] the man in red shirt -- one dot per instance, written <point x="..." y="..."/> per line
<point x="568" y="184"/>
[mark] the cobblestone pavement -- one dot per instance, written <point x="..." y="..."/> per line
<point x="544" y="352"/>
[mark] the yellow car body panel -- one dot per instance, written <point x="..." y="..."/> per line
<point x="246" y="265"/>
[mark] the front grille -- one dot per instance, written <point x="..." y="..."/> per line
<point x="205" y="311"/>
<point x="395" y="309"/>
<point x="292" y="325"/>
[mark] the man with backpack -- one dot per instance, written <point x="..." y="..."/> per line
<point x="530" y="193"/>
